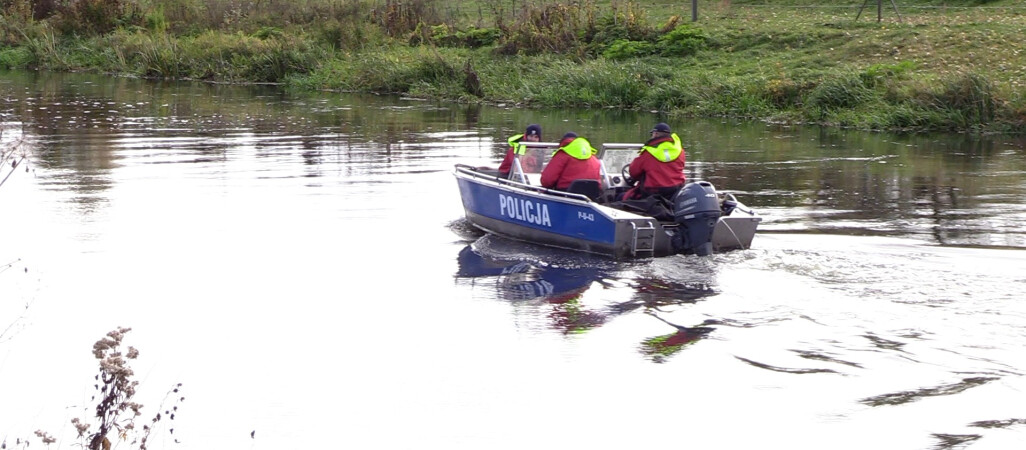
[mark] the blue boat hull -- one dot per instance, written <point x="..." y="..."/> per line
<point x="559" y="219"/>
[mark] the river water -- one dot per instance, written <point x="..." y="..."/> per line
<point x="299" y="262"/>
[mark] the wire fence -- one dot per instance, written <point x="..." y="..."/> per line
<point x="898" y="6"/>
<point x="868" y="8"/>
<point x="870" y="3"/>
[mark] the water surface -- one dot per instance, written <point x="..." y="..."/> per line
<point x="300" y="263"/>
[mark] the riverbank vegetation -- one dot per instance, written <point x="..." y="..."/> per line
<point x="957" y="65"/>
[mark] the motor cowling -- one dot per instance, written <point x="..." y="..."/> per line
<point x="696" y="210"/>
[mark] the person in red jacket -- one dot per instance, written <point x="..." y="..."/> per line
<point x="659" y="167"/>
<point x="529" y="164"/>
<point x="575" y="159"/>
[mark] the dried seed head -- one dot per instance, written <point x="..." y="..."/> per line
<point x="47" y="439"/>
<point x="80" y="427"/>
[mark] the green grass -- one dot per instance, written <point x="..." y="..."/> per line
<point x="958" y="67"/>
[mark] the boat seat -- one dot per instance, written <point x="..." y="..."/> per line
<point x="586" y="187"/>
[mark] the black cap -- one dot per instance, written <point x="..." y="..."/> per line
<point x="533" y="130"/>
<point x="569" y="135"/>
<point x="661" y="127"/>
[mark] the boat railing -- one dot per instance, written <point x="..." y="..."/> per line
<point x="517" y="174"/>
<point x="635" y="146"/>
<point x="472" y="171"/>
<point x="540" y="144"/>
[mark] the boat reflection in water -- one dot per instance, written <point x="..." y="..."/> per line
<point x="525" y="279"/>
<point x="660" y="348"/>
<point x="559" y="283"/>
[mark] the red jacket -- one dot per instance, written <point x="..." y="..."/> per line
<point x="527" y="162"/>
<point x="657" y="174"/>
<point x="563" y="169"/>
<point x="507" y="163"/>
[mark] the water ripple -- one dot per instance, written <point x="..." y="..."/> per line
<point x="950" y="441"/>
<point x="784" y="369"/>
<point x="899" y="398"/>
<point x="998" y="423"/>
<point x="821" y="357"/>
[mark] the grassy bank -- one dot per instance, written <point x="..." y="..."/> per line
<point x="931" y="65"/>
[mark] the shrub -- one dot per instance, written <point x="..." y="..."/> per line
<point x="279" y="59"/>
<point x="623" y="49"/>
<point x="783" y="92"/>
<point x="22" y="10"/>
<point x="554" y="28"/>
<point x="685" y="40"/>
<point x="959" y="102"/>
<point x="16" y="58"/>
<point x="399" y="18"/>
<point x="187" y="16"/>
<point x="161" y="58"/>
<point x="92" y="17"/>
<point x="907" y="118"/>
<point x="626" y="25"/>
<point x="970" y="95"/>
<point x="446" y="36"/>
<point x="348" y="35"/>
<point x="478" y="37"/>
<point x="877" y="73"/>
<point x="155" y="21"/>
<point x="265" y="33"/>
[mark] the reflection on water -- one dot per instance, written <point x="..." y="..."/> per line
<point x="556" y="291"/>
<point x="659" y="348"/>
<point x="553" y="284"/>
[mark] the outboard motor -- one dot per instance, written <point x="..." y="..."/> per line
<point x="696" y="211"/>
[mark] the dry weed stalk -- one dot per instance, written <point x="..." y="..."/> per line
<point x="115" y="410"/>
<point x="13" y="153"/>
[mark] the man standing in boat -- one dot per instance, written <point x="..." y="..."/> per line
<point x="574" y="160"/>
<point x="532" y="134"/>
<point x="659" y="167"/>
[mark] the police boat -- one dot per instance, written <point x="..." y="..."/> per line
<point x="697" y="220"/>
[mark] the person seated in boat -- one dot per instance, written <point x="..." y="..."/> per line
<point x="659" y="167"/>
<point x="575" y="159"/>
<point x="528" y="162"/>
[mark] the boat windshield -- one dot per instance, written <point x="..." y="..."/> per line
<point x="534" y="159"/>
<point x="530" y="164"/>
<point x="537" y="155"/>
<point x="615" y="156"/>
